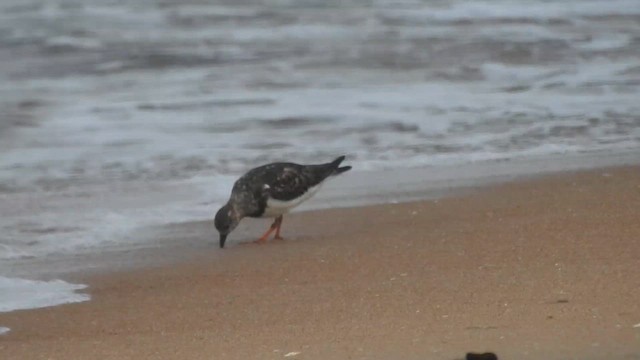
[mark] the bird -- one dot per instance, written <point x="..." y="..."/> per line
<point x="271" y="191"/>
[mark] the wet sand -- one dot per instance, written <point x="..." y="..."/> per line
<point x="537" y="269"/>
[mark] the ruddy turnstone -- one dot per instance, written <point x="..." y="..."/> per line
<point x="271" y="191"/>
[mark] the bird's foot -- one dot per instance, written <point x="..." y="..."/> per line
<point x="278" y="237"/>
<point x="260" y="241"/>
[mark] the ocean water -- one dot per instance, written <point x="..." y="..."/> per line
<point x="122" y="115"/>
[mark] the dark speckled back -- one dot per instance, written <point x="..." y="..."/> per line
<point x="280" y="181"/>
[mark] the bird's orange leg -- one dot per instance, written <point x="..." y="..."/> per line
<point x="279" y="225"/>
<point x="265" y="236"/>
<point x="275" y="226"/>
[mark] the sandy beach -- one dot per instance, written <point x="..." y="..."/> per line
<point x="538" y="269"/>
<point x="124" y="126"/>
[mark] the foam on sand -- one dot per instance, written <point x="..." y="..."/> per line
<point x="20" y="294"/>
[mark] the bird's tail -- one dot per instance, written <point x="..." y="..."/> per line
<point x="335" y="164"/>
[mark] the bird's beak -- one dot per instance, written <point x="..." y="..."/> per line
<point x="223" y="238"/>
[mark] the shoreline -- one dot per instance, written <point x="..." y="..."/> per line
<point x="530" y="269"/>
<point x="157" y="245"/>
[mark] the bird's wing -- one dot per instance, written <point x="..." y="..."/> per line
<point x="289" y="183"/>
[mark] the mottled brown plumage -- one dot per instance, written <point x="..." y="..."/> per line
<point x="272" y="190"/>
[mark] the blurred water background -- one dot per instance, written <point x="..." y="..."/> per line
<point x="117" y="115"/>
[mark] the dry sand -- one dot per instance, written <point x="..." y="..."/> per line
<point x="538" y="269"/>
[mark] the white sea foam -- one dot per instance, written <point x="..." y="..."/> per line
<point x="483" y="10"/>
<point x="73" y="42"/>
<point x="20" y="294"/>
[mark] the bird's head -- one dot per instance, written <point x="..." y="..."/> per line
<point x="226" y="220"/>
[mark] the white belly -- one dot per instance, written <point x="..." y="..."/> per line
<point x="278" y="207"/>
